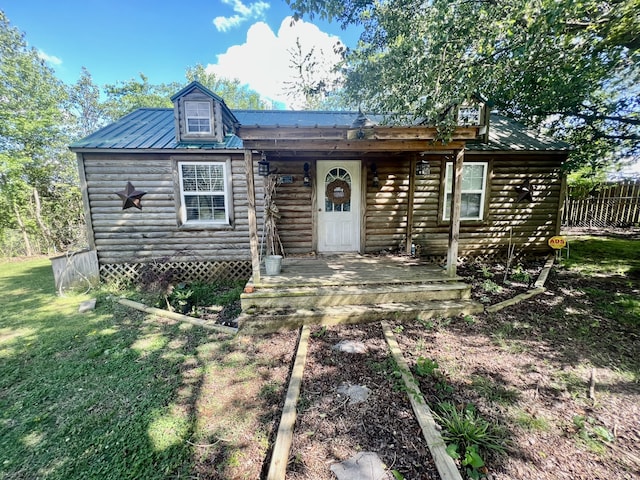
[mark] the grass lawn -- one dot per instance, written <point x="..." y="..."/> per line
<point x="116" y="393"/>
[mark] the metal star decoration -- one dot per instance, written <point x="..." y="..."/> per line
<point x="130" y="197"/>
<point x="524" y="191"/>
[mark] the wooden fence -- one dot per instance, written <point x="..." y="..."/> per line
<point x="613" y="205"/>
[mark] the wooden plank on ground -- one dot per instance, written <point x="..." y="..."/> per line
<point x="177" y="316"/>
<point x="542" y="278"/>
<point x="444" y="463"/>
<point x="284" y="439"/>
<point x="514" y="300"/>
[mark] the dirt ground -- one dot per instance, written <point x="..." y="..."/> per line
<point x="330" y="429"/>
<point x="528" y="369"/>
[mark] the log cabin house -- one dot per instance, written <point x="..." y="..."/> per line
<point x="346" y="184"/>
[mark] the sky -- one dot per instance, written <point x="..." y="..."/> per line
<point x="116" y="40"/>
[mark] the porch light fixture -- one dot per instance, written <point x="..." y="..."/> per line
<point x="423" y="168"/>
<point x="307" y="176"/>
<point x="374" y="172"/>
<point x="263" y="166"/>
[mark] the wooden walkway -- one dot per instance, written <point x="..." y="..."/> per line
<point x="348" y="270"/>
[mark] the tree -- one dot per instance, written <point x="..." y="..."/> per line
<point x="125" y="97"/>
<point x="85" y="106"/>
<point x="31" y="139"/>
<point x="314" y="80"/>
<point x="232" y="92"/>
<point x="563" y="65"/>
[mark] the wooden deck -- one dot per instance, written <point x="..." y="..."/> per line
<point x="347" y="270"/>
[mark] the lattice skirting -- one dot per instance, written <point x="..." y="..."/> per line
<point x="181" y="271"/>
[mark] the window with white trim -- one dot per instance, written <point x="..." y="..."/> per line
<point x="203" y="193"/>
<point x="474" y="186"/>
<point x="198" y="115"/>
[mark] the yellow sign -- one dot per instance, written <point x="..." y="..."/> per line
<point x="558" y="242"/>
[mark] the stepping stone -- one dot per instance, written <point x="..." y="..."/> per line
<point x="87" y="306"/>
<point x="363" y="466"/>
<point x="356" y="393"/>
<point x="350" y="346"/>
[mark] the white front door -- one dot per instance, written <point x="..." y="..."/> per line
<point x="338" y="184"/>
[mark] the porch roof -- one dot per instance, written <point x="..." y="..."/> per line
<point x="154" y="128"/>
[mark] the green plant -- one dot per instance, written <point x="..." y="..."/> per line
<point x="320" y="332"/>
<point x="595" y="437"/>
<point x="486" y="273"/>
<point x="469" y="319"/>
<point x="397" y="475"/>
<point x="466" y="431"/>
<point x="470" y="459"/>
<point x="489" y="286"/>
<point x="425" y="367"/>
<point x="520" y="274"/>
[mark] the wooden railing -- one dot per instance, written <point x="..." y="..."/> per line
<point x="613" y="205"/>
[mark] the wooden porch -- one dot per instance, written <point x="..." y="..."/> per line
<point x="354" y="288"/>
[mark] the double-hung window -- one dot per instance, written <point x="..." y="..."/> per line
<point x="198" y="116"/>
<point x="203" y="192"/>
<point x="474" y="185"/>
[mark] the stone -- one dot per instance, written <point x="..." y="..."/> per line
<point x="356" y="393"/>
<point x="87" y="306"/>
<point x="350" y="346"/>
<point x="363" y="466"/>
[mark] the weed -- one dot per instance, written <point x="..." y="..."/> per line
<point x="486" y="273"/>
<point x="466" y="428"/>
<point x="320" y="333"/>
<point x="595" y="437"/>
<point x="425" y="367"/>
<point x="398" y="329"/>
<point x="469" y="319"/>
<point x="443" y="388"/>
<point x="519" y="274"/>
<point x="434" y="323"/>
<point x="489" y="286"/>
<point x="529" y="422"/>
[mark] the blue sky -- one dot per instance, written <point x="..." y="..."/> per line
<point x="116" y="39"/>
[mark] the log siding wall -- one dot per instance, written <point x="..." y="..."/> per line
<point x="153" y="233"/>
<point x="529" y="224"/>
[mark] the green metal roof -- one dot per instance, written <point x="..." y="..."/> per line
<point x="154" y="128"/>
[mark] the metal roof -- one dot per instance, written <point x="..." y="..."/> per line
<point x="506" y="134"/>
<point x="154" y="128"/>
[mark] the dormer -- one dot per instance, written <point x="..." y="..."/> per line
<point x="201" y="116"/>
<point x="475" y="112"/>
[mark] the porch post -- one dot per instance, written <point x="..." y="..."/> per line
<point x="454" y="217"/>
<point x="410" y="203"/>
<point x="251" y="211"/>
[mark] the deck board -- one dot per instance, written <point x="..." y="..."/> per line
<point x="354" y="270"/>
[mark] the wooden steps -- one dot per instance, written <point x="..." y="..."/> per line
<point x="264" y="320"/>
<point x="352" y="289"/>
<point x="337" y="295"/>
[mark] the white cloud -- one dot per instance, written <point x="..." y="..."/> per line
<point x="52" y="59"/>
<point x="243" y="12"/>
<point x="263" y="61"/>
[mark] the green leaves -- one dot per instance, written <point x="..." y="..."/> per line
<point x="549" y="64"/>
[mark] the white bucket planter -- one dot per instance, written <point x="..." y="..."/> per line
<point x="272" y="264"/>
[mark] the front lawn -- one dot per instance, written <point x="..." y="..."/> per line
<point x="116" y="393"/>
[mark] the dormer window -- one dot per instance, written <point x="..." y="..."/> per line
<point x="469" y="115"/>
<point x="198" y="115"/>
